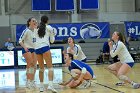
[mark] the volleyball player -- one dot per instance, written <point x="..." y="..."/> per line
<point x="26" y="40"/>
<point x="120" y="69"/>
<point x="81" y="73"/>
<point x="44" y="36"/>
<point x="76" y="50"/>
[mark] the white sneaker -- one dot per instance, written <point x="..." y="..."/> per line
<point x="88" y="84"/>
<point x="136" y="85"/>
<point x="28" y="85"/>
<point x="41" y="89"/>
<point x="33" y="84"/>
<point x="85" y="84"/>
<point x="120" y="83"/>
<point x="52" y="89"/>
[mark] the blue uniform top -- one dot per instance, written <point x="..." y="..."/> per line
<point x="76" y="64"/>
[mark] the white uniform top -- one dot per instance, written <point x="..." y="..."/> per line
<point x="45" y="41"/>
<point x="28" y="37"/>
<point x="78" y="53"/>
<point x="123" y="54"/>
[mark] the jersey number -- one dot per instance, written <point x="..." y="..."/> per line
<point x="34" y="40"/>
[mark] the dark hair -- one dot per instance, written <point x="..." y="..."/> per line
<point x="70" y="55"/>
<point x="121" y="37"/>
<point x="42" y="27"/>
<point x="29" y="20"/>
<point x="72" y="39"/>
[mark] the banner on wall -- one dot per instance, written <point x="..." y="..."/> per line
<point x="132" y="29"/>
<point x="76" y="30"/>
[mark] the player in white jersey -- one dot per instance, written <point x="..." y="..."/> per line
<point x="120" y="69"/>
<point x="44" y="36"/>
<point x="76" y="50"/>
<point x="27" y="40"/>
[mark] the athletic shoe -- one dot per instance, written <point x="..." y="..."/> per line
<point x="41" y="89"/>
<point x="136" y="85"/>
<point x="28" y="85"/>
<point x="85" y="84"/>
<point x="120" y="84"/>
<point x="88" y="84"/>
<point x="33" y="84"/>
<point x="52" y="89"/>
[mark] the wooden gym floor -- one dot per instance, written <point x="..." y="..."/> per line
<point x="13" y="81"/>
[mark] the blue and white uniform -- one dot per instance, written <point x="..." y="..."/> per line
<point x="28" y="38"/>
<point x="76" y="64"/>
<point x="123" y="54"/>
<point x="42" y="45"/>
<point x="78" y="53"/>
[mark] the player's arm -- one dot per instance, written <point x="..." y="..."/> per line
<point x="83" y="71"/>
<point x="78" y="48"/>
<point x="22" y="38"/>
<point x="52" y="33"/>
<point x="67" y="82"/>
<point x="68" y="50"/>
<point x="116" y="50"/>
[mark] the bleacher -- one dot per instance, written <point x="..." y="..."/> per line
<point x="134" y="49"/>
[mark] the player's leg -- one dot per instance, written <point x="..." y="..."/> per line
<point x="41" y="71"/>
<point x="124" y="69"/>
<point x="73" y="84"/>
<point x="29" y="73"/>
<point x="35" y="67"/>
<point x="48" y="59"/>
<point x="113" y="68"/>
<point x="85" y="81"/>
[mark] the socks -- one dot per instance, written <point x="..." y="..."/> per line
<point x="28" y="80"/>
<point x="50" y="83"/>
<point x="41" y="84"/>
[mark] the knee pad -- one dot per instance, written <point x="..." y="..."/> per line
<point x="41" y="70"/>
<point x="123" y="77"/>
<point x="31" y="70"/>
<point x="84" y="70"/>
<point x="73" y="74"/>
<point x="50" y="69"/>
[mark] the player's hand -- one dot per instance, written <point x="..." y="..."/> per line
<point x="52" y="32"/>
<point x="71" y="51"/>
<point x="110" y="43"/>
<point x="66" y="65"/>
<point x="26" y="49"/>
<point x="64" y="52"/>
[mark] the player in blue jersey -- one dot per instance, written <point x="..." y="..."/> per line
<point x="81" y="73"/>
<point x="27" y="42"/>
